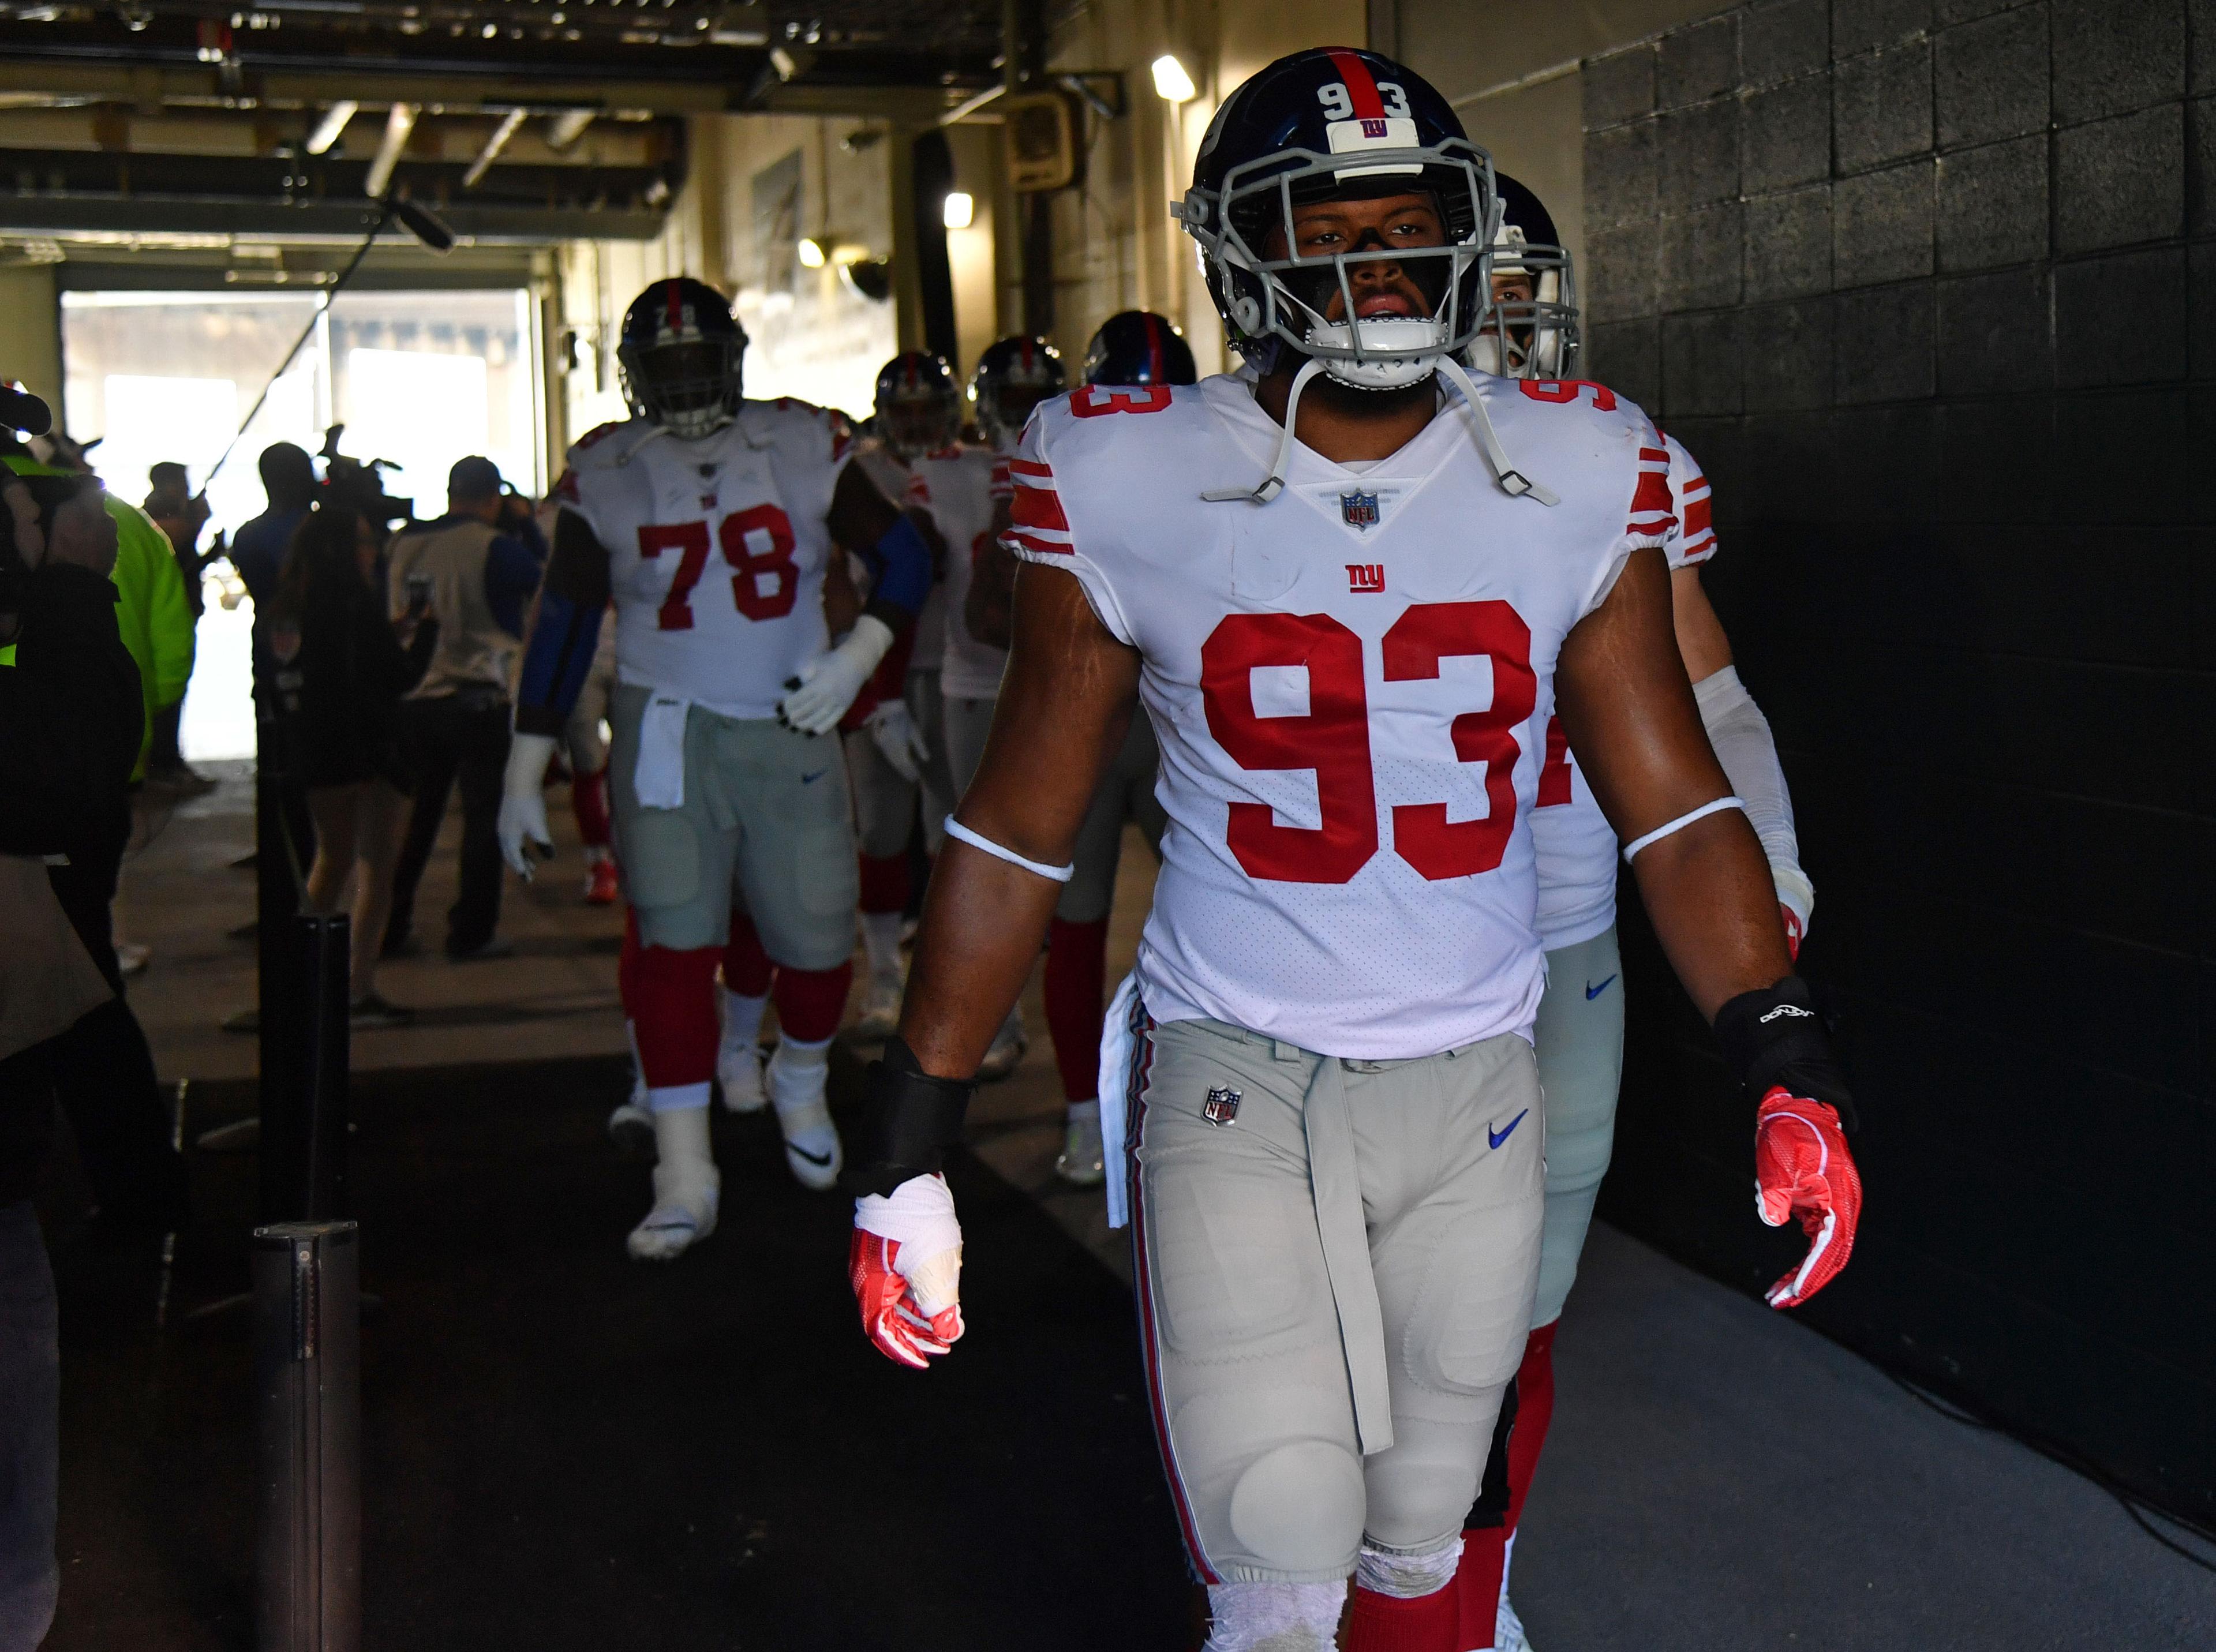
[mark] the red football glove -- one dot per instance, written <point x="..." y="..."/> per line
<point x="905" y="1267"/>
<point x="1802" y="1167"/>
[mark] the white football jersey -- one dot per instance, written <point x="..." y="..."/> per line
<point x="716" y="548"/>
<point x="1576" y="846"/>
<point x="1352" y="685"/>
<point x="955" y="485"/>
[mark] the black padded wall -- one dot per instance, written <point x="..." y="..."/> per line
<point x="1928" y="287"/>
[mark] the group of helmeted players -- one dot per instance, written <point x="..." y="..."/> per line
<point x="1367" y="641"/>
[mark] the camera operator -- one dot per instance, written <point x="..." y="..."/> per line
<point x="474" y="570"/>
<point x="71" y="721"/>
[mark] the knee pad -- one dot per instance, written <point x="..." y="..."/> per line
<point x="1273" y="1617"/>
<point x="1409" y="1573"/>
<point x="1299" y="1508"/>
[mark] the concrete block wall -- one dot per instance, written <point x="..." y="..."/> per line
<point x="1929" y="286"/>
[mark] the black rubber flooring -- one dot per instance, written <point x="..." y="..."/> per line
<point x="566" y="1449"/>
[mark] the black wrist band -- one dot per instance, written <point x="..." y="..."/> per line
<point x="910" y="1120"/>
<point x="1774" y="1036"/>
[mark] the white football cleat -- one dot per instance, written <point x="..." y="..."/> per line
<point x="811" y="1140"/>
<point x="739" y="1071"/>
<point x="1006" y="1050"/>
<point x="1081" y="1163"/>
<point x="684" y="1213"/>
<point x="881" y="1008"/>
<point x="1508" y="1629"/>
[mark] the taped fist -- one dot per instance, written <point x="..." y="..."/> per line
<point x="905" y="1267"/>
<point x="1802" y="1169"/>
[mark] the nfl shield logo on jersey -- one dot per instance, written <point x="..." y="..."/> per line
<point x="1360" y="510"/>
<point x="1222" y="1107"/>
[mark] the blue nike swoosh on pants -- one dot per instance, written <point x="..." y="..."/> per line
<point x="1592" y="992"/>
<point x="1496" y="1137"/>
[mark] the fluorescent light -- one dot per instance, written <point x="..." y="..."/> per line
<point x="960" y="211"/>
<point x="333" y="123"/>
<point x="566" y="127"/>
<point x="397" y="125"/>
<point x="811" y="252"/>
<point x="1171" y="81"/>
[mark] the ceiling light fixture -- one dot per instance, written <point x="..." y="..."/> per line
<point x="1171" y="82"/>
<point x="811" y="253"/>
<point x="960" y="209"/>
<point x="333" y="123"/>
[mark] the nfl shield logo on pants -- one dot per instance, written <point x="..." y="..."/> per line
<point x="1360" y="510"/>
<point x="1222" y="1107"/>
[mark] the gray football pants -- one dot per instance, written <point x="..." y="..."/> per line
<point x="1580" y="1035"/>
<point x="1335" y="1285"/>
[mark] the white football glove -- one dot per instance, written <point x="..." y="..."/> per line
<point x="523" y="803"/>
<point x="826" y="684"/>
<point x="905" y="1266"/>
<point x="898" y="737"/>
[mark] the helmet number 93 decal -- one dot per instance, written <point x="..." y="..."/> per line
<point x="1338" y="102"/>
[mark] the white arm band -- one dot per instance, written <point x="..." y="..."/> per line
<point x="1678" y="824"/>
<point x="976" y="840"/>
<point x="1743" y="745"/>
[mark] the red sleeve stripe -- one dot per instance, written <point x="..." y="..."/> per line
<point x="1651" y="512"/>
<point x="1021" y="542"/>
<point x="1039" y="507"/>
<point x="1030" y="467"/>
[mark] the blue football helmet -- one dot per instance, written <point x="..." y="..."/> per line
<point x="1137" y="346"/>
<point x="1535" y="331"/>
<point x="919" y="409"/>
<point x="681" y="351"/>
<point x="1014" y="377"/>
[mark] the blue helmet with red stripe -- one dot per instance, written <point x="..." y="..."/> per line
<point x="919" y="409"/>
<point x="1014" y="377"/>
<point x="1535" y="330"/>
<point x="681" y="351"/>
<point x="1336" y="123"/>
<point x="1137" y="346"/>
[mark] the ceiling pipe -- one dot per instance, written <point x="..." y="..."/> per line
<point x="494" y="144"/>
<point x="568" y="128"/>
<point x="331" y="126"/>
<point x="397" y="125"/>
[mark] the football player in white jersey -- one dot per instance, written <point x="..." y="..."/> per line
<point x="709" y="519"/>
<point x="1349" y="644"/>
<point x="1013" y="376"/>
<point x="1536" y="335"/>
<point x="900" y="747"/>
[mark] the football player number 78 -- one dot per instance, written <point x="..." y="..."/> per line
<point x="758" y="544"/>
<point x="1333" y="738"/>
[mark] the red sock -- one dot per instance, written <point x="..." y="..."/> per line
<point x="675" y="1007"/>
<point x="809" y="1002"/>
<point x="1076" y="971"/>
<point x="588" y="801"/>
<point x="627" y="966"/>
<point x="1430" y="1622"/>
<point x="1484" y="1549"/>
<point x="884" y="884"/>
<point x="746" y="966"/>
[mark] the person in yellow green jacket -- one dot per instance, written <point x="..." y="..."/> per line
<point x="150" y="607"/>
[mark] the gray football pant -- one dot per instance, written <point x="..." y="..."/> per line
<point x="1580" y="1035"/>
<point x="884" y="802"/>
<point x="1335" y="1285"/>
<point x="765" y="821"/>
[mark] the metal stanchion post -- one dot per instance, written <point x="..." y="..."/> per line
<point x="322" y="949"/>
<point x="307" y="1381"/>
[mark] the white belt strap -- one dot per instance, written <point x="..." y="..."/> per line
<point x="1680" y="824"/>
<point x="962" y="834"/>
<point x="1118" y="1037"/>
<point x="659" y="775"/>
<point x="1335" y="1183"/>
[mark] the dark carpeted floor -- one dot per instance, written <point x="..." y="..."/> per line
<point x="564" y="1449"/>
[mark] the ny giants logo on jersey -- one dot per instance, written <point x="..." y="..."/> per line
<point x="1365" y="578"/>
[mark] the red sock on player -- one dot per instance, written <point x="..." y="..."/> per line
<point x="746" y="966"/>
<point x="673" y="1003"/>
<point x="588" y="801"/>
<point x="1429" y="1622"/>
<point x="1484" y="1549"/>
<point x="627" y="966"/>
<point x="884" y="884"/>
<point x="1076" y="971"/>
<point x="809" y="1002"/>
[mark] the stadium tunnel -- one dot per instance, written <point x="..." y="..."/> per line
<point x="1928" y="285"/>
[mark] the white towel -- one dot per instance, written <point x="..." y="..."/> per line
<point x="659" y="779"/>
<point x="1115" y="1043"/>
